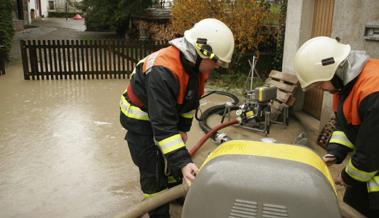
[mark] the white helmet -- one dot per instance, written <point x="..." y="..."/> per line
<point x="318" y="59"/>
<point x="212" y="39"/>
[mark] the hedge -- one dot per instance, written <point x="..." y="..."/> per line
<point x="6" y="28"/>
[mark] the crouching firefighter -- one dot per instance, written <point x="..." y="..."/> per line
<point x="158" y="106"/>
<point x="353" y="78"/>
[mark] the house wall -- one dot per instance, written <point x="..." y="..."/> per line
<point x="32" y="4"/>
<point x="298" y="30"/>
<point x="44" y="7"/>
<point x="20" y="14"/>
<point x="60" y="6"/>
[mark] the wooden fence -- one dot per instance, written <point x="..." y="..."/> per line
<point x="2" y="63"/>
<point x="2" y="66"/>
<point x="82" y="59"/>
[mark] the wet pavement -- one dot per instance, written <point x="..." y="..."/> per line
<point x="62" y="152"/>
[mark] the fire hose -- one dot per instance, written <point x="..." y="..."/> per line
<point x="218" y="109"/>
<point x="173" y="193"/>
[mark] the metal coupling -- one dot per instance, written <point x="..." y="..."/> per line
<point x="221" y="138"/>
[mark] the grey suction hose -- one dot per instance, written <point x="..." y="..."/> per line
<point x="172" y="193"/>
<point x="151" y="203"/>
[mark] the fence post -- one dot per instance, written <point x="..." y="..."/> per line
<point x="2" y="66"/>
<point x="2" y="63"/>
<point x="24" y="56"/>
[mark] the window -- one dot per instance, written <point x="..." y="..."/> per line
<point x="51" y="5"/>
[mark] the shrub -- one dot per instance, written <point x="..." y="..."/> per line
<point x="6" y="28"/>
<point x="248" y="20"/>
<point x="112" y="15"/>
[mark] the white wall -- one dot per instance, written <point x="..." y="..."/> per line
<point x="44" y="7"/>
<point x="298" y="29"/>
<point x="350" y="18"/>
<point x="33" y="4"/>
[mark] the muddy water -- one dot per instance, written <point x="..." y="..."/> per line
<point x="62" y="152"/>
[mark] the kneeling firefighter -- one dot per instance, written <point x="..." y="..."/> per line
<point x="353" y="78"/>
<point x="158" y="106"/>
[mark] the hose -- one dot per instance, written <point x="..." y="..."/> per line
<point x="151" y="203"/>
<point x="349" y="212"/>
<point x="173" y="193"/>
<point x="209" y="134"/>
<point x="230" y="95"/>
<point x="218" y="109"/>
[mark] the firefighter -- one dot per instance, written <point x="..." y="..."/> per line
<point x="158" y="105"/>
<point x="353" y="79"/>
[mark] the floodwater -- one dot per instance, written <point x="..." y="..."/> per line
<point x="62" y="152"/>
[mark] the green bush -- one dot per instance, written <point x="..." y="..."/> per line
<point x="6" y="28"/>
<point x="253" y="23"/>
<point x="111" y="15"/>
<point x="282" y="8"/>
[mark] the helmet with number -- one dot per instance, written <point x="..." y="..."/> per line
<point x="212" y="39"/>
<point x="318" y="59"/>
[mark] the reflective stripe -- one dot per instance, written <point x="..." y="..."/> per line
<point x="132" y="111"/>
<point x="134" y="70"/>
<point x="373" y="184"/>
<point x="357" y="174"/>
<point x="171" y="143"/>
<point x="339" y="137"/>
<point x="153" y="194"/>
<point x="188" y="115"/>
<point x="260" y="94"/>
